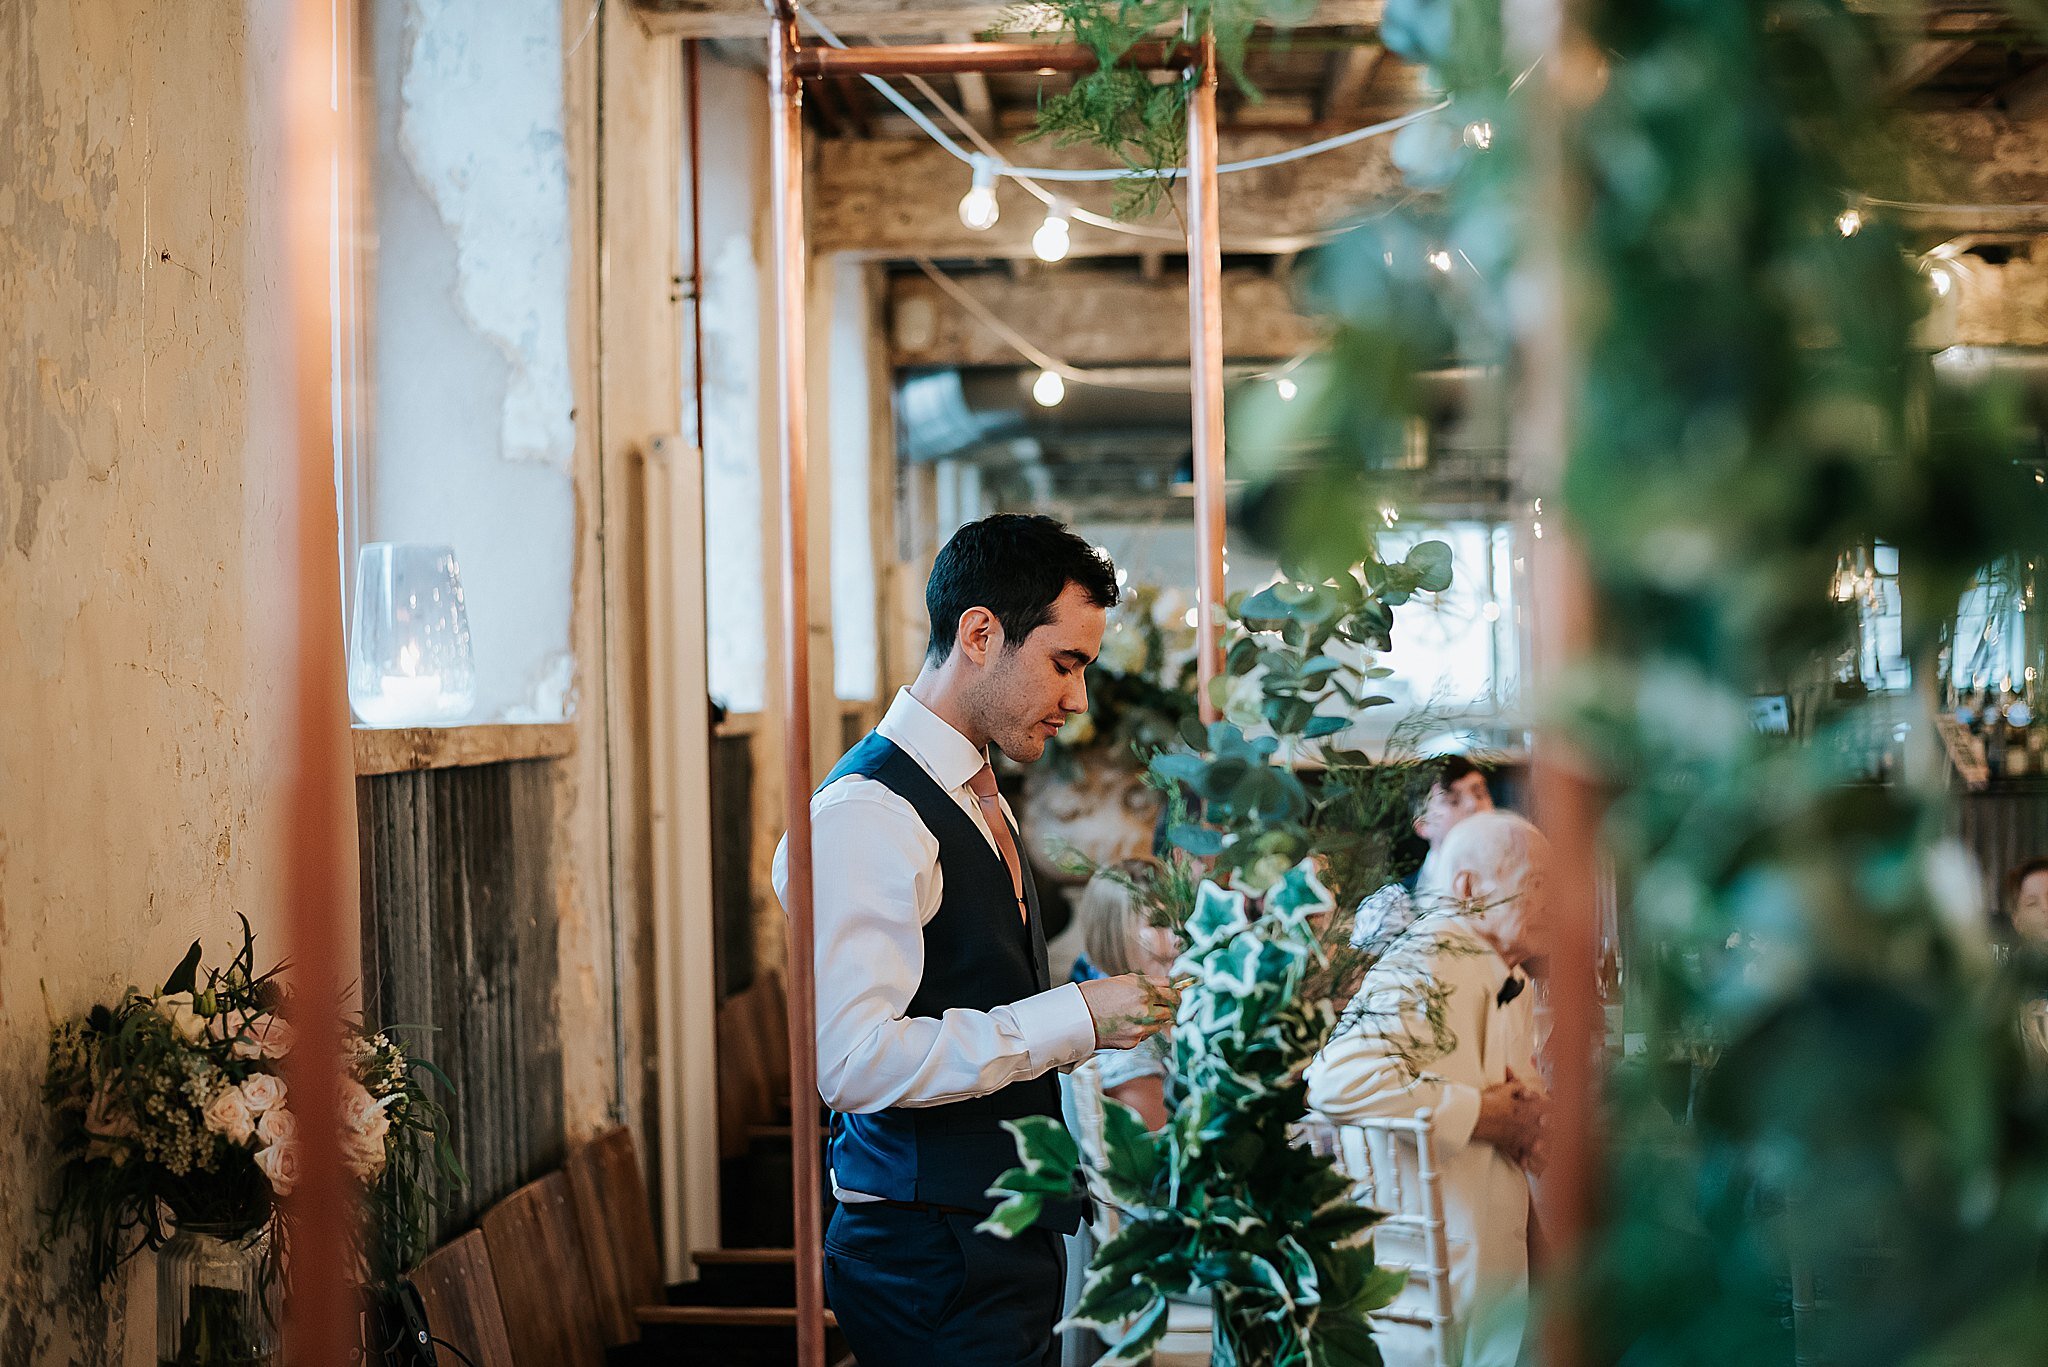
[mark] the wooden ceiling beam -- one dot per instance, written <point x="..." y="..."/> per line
<point x="1349" y="76"/>
<point x="895" y="18"/>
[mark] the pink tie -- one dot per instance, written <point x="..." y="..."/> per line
<point x="984" y="786"/>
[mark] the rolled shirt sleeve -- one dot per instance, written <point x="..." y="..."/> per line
<point x="869" y="913"/>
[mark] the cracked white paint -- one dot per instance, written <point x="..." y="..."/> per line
<point x="480" y="123"/>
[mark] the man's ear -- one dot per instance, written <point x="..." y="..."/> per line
<point x="980" y="634"/>
<point x="1465" y="885"/>
<point x="1417" y="825"/>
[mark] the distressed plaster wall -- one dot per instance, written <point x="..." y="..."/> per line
<point x="140" y="670"/>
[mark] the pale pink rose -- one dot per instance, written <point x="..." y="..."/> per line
<point x="229" y="1116"/>
<point x="363" y="1153"/>
<point x="357" y="1105"/>
<point x="267" y="1036"/>
<point x="106" y="1118"/>
<point x="263" y="1091"/>
<point x="280" y="1163"/>
<point x="227" y="1025"/>
<point x="277" y="1125"/>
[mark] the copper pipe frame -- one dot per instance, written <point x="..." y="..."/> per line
<point x="786" y="211"/>
<point x="321" y="907"/>
<point x="946" y="59"/>
<point x="1205" y="375"/>
<point x="1567" y="800"/>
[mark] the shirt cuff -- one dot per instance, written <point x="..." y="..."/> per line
<point x="1456" y="1115"/>
<point x="1057" y="1028"/>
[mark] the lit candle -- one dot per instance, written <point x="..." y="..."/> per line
<point x="402" y="699"/>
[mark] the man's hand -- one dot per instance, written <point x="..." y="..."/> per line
<point x="1129" y="1009"/>
<point x="1511" y="1118"/>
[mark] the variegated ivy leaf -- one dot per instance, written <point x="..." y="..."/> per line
<point x="1013" y="1217"/>
<point x="1136" y="1346"/>
<point x="1217" y="912"/>
<point x="1045" y="1143"/>
<point x="1131" y="1151"/>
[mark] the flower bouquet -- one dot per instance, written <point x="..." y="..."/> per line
<point x="175" y="1131"/>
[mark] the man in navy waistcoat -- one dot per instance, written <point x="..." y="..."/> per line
<point x="937" y="1018"/>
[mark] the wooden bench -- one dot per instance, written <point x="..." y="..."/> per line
<point x="544" y="1284"/>
<point x="611" y="1203"/>
<point x="460" y="1293"/>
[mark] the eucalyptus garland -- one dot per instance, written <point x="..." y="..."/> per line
<point x="1831" y="1142"/>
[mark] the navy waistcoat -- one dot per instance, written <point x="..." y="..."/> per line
<point x="978" y="955"/>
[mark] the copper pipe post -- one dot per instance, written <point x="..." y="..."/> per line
<point x="1205" y="373"/>
<point x="786" y="195"/>
<point x="320" y="903"/>
<point x="1544" y="34"/>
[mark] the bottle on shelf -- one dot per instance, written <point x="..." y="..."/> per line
<point x="2019" y="714"/>
<point x="1992" y="725"/>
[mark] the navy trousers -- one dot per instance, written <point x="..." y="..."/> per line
<point x="918" y="1288"/>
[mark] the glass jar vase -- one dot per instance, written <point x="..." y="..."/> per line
<point x="219" y="1299"/>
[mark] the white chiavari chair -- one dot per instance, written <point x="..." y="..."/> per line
<point x="1393" y="1167"/>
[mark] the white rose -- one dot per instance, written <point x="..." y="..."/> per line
<point x="229" y="1116"/>
<point x="1244" y="699"/>
<point x="228" y="1025"/>
<point x="277" y="1126"/>
<point x="263" y="1091"/>
<point x="1123" y="650"/>
<point x="177" y="1009"/>
<point x="280" y="1163"/>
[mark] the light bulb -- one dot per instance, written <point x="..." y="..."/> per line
<point x="978" y="207"/>
<point x="1054" y="238"/>
<point x="1943" y="280"/>
<point x="1286" y="388"/>
<point x="1479" y="136"/>
<point x="1441" y="259"/>
<point x="1849" y="222"/>
<point x="1048" y="389"/>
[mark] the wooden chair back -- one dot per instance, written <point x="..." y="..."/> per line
<point x="753" y="1062"/>
<point x="543" y="1276"/>
<point x="461" y="1296"/>
<point x="617" y="1221"/>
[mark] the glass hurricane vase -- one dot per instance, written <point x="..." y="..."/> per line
<point x="218" y="1297"/>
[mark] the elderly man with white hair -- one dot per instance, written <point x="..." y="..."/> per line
<point x="1443" y="1022"/>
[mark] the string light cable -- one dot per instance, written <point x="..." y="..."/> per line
<point x="1066" y="370"/>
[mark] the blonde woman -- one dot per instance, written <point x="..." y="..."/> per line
<point x="1119" y="938"/>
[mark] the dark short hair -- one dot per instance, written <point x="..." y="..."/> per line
<point x="1443" y="771"/>
<point x="1017" y="567"/>
<point x="2021" y="873"/>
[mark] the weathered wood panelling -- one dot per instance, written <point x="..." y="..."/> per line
<point x="459" y="946"/>
<point x="732" y="859"/>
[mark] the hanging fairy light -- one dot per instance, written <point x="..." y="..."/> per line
<point x="1055" y="237"/>
<point x="978" y="208"/>
<point x="1048" y="389"/>
<point x="1441" y="259"/>
<point x="1849" y="222"/>
<point x="1942" y="279"/>
<point x="1479" y="135"/>
<point x="1286" y="389"/>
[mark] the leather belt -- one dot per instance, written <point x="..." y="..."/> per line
<point x="922" y="1207"/>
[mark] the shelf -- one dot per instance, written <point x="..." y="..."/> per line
<point x="397" y="750"/>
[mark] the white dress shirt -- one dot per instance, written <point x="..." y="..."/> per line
<point x="877" y="882"/>
<point x="1428" y="1032"/>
